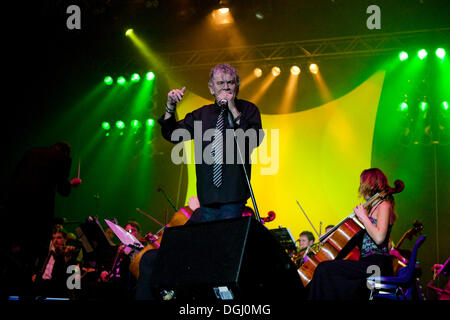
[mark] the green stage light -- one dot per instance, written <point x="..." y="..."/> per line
<point x="423" y="106"/>
<point x="135" y="77"/>
<point x="403" y="56"/>
<point x="121" y="80"/>
<point x="440" y="53"/>
<point x="445" y="105"/>
<point x="150" y="76"/>
<point x="129" y="32"/>
<point x="422" y="54"/>
<point x="135" y="124"/>
<point x="403" y="106"/>
<point x="108" y="80"/>
<point x="150" y="122"/>
<point x="106" y="126"/>
<point x="120" y="124"/>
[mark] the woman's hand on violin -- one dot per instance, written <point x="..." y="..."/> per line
<point x="361" y="212"/>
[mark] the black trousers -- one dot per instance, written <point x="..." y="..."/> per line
<point x="346" y="279"/>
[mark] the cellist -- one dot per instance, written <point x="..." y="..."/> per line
<point x="346" y="279"/>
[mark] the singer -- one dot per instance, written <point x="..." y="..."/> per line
<point x="222" y="188"/>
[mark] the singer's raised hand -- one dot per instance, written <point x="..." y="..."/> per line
<point x="175" y="96"/>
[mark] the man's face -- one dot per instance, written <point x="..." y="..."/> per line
<point x="222" y="86"/>
<point x="131" y="229"/>
<point x="58" y="240"/>
<point x="305" y="242"/>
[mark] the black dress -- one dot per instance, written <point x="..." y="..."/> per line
<point x="347" y="279"/>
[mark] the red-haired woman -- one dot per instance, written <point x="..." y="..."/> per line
<point x="346" y="279"/>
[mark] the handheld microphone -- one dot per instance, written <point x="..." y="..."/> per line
<point x="223" y="103"/>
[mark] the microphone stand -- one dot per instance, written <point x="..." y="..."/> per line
<point x="231" y="123"/>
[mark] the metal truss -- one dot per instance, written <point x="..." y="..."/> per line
<point x="363" y="45"/>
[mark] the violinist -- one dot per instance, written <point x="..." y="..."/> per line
<point x="117" y="275"/>
<point x="305" y="241"/>
<point x="51" y="277"/>
<point x="346" y="279"/>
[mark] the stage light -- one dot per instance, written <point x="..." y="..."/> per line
<point x="445" y="105"/>
<point x="440" y="53"/>
<point x="403" y="56"/>
<point x="257" y="72"/>
<point x="135" y="77"/>
<point x="403" y="106"/>
<point x="150" y="122"/>
<point x="129" y="32"/>
<point x="295" y="70"/>
<point x="422" y="54"/>
<point x="120" y="124"/>
<point x="313" y="68"/>
<point x="136" y="124"/>
<point x="276" y="71"/>
<point x="150" y="76"/>
<point x="108" y="80"/>
<point x="121" y="80"/>
<point x="423" y="106"/>
<point x="224" y="10"/>
<point x="106" y="126"/>
<point x="259" y="15"/>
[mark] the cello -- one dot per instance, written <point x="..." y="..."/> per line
<point x="336" y="240"/>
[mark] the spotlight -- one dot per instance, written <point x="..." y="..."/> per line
<point x="150" y="76"/>
<point x="259" y="15"/>
<point x="403" y="56"/>
<point x="440" y="53"/>
<point x="224" y="10"/>
<point x="129" y="32"/>
<point x="135" y="124"/>
<point x="135" y="77"/>
<point x="257" y="72"/>
<point x="423" y="106"/>
<point x="445" y="105"/>
<point x="121" y="80"/>
<point x="120" y="124"/>
<point x="295" y="70"/>
<point x="313" y="68"/>
<point x="276" y="71"/>
<point x="403" y="106"/>
<point x="108" y="80"/>
<point x="422" y="54"/>
<point x="106" y="126"/>
<point x="150" y="122"/>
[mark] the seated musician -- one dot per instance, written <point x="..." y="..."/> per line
<point x="117" y="275"/>
<point x="305" y="242"/>
<point x="50" y="279"/>
<point x="346" y="279"/>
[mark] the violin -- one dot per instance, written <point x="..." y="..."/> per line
<point x="336" y="240"/>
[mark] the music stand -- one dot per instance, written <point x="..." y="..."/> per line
<point x="97" y="246"/>
<point x="285" y="238"/>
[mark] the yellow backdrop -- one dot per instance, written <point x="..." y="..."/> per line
<point x="314" y="157"/>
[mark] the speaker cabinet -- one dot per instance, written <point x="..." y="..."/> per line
<point x="234" y="259"/>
